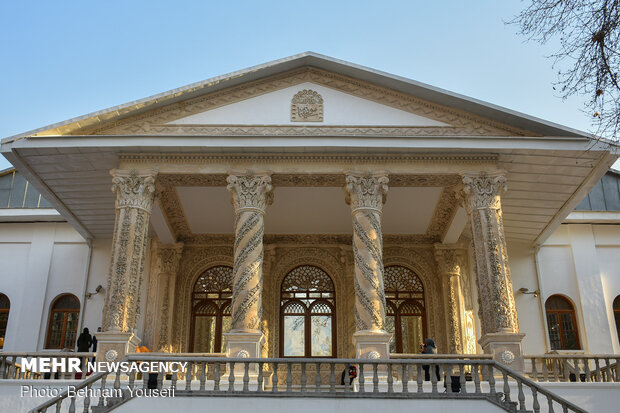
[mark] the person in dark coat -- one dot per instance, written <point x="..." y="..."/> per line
<point x="351" y="369"/>
<point x="429" y="348"/>
<point x="84" y="341"/>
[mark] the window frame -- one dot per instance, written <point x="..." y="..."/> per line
<point x="307" y="314"/>
<point x="558" y="314"/>
<point x="65" y="312"/>
<point x="223" y="295"/>
<point x="394" y="309"/>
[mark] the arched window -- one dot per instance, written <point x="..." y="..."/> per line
<point x="307" y="314"/>
<point x="211" y="310"/>
<point x="562" y="324"/>
<point x="5" y="306"/>
<point x="617" y="315"/>
<point x="63" y="322"/>
<point x="405" y="309"/>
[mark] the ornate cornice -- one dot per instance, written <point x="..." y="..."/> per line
<point x="153" y="122"/>
<point x="345" y="160"/>
<point x="197" y="240"/>
<point x="134" y="189"/>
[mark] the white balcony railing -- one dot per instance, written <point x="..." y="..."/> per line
<point x="450" y="378"/>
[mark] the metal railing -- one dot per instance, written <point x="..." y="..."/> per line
<point x="11" y="365"/>
<point x="448" y="378"/>
<point x="573" y="367"/>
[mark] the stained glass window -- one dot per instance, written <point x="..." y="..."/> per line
<point x="562" y="324"/>
<point x="63" y="322"/>
<point x="307" y="306"/>
<point x="211" y="298"/>
<point x="405" y="310"/>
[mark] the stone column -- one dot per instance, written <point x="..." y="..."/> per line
<point x="366" y="194"/>
<point x="250" y="196"/>
<point x="497" y="311"/>
<point x="134" y="201"/>
<point x="449" y="270"/>
<point x="167" y="260"/>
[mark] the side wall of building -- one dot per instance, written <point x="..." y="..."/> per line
<point x="41" y="261"/>
<point x="582" y="263"/>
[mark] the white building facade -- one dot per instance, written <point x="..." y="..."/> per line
<point x="311" y="208"/>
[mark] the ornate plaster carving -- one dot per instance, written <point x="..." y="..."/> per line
<point x="481" y="196"/>
<point x="251" y="194"/>
<point x="448" y="267"/>
<point x="366" y="195"/>
<point x="153" y="122"/>
<point x="444" y="214"/>
<point x="134" y="191"/>
<point x="307" y="106"/>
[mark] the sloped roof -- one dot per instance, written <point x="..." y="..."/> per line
<point x="308" y="59"/>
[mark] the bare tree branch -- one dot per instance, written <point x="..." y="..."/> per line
<point x="588" y="58"/>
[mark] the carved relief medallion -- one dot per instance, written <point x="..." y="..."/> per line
<point x="307" y="106"/>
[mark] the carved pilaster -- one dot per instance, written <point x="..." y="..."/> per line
<point x="167" y="260"/>
<point x="449" y="269"/>
<point x="134" y="201"/>
<point x="250" y="196"/>
<point x="482" y="197"/>
<point x="366" y="195"/>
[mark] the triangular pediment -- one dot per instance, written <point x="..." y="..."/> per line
<point x="335" y="108"/>
<point x="348" y="106"/>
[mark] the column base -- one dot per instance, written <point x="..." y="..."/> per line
<point x="113" y="346"/>
<point x="372" y="344"/>
<point x="245" y="345"/>
<point x="505" y="348"/>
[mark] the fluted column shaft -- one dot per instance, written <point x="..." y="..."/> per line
<point x="366" y="194"/>
<point x="134" y="202"/>
<point x="481" y="195"/>
<point x="250" y="196"/>
<point x="449" y="270"/>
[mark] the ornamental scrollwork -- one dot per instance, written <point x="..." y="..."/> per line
<point x="483" y="190"/>
<point x="250" y="192"/>
<point x="134" y="189"/>
<point x="366" y="191"/>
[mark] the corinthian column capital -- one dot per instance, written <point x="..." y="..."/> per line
<point x="167" y="257"/>
<point x="366" y="192"/>
<point x="250" y="192"/>
<point x="447" y="259"/>
<point x="134" y="189"/>
<point x="483" y="190"/>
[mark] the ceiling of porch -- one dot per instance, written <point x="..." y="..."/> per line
<point x="309" y="210"/>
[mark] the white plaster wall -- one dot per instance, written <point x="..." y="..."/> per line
<point x="523" y="272"/>
<point x="582" y="263"/>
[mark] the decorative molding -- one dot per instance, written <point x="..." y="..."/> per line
<point x="153" y="122"/>
<point x="172" y="208"/>
<point x="308" y="239"/>
<point x="307" y="106"/>
<point x="343" y="160"/>
<point x="444" y="214"/>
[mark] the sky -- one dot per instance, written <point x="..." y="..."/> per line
<point x="61" y="59"/>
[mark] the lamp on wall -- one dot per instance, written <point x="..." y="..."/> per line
<point x="97" y="291"/>
<point x="526" y="291"/>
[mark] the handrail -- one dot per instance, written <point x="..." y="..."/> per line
<point x="441" y="356"/>
<point x="11" y="369"/>
<point x="420" y="376"/>
<point x="539" y="389"/>
<point x="574" y="367"/>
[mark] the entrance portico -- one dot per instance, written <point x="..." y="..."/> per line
<point x="423" y="172"/>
